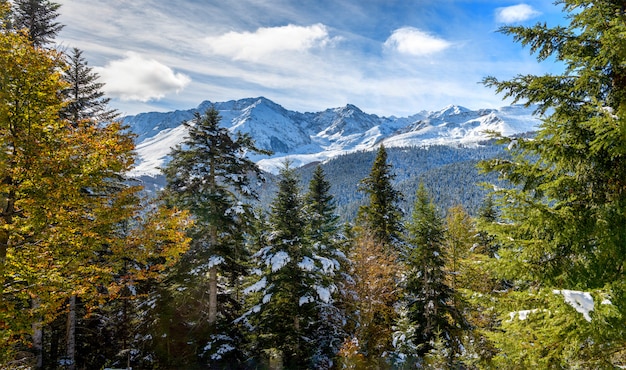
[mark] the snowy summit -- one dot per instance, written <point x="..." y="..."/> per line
<point x="310" y="137"/>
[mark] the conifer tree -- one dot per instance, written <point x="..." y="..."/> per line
<point x="85" y="99"/>
<point x="382" y="215"/>
<point x="38" y="18"/>
<point x="324" y="232"/>
<point x="209" y="175"/>
<point x="428" y="295"/>
<point x="292" y="288"/>
<point x="459" y="240"/>
<point x="562" y="220"/>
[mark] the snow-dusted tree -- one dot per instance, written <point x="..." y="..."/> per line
<point x="84" y="96"/>
<point x="38" y="18"/>
<point x="382" y="216"/>
<point x="562" y="220"/>
<point x="428" y="296"/>
<point x="293" y="285"/>
<point x="323" y="230"/>
<point x="209" y="175"/>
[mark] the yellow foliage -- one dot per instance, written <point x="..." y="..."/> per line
<point x="375" y="271"/>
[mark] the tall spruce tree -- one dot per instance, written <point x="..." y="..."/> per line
<point x="562" y="220"/>
<point x="381" y="216"/>
<point x="85" y="100"/>
<point x="428" y="296"/>
<point x="323" y="230"/>
<point x="292" y="289"/>
<point x="38" y="18"/>
<point x="209" y="175"/>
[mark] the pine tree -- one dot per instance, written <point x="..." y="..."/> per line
<point x="429" y="299"/>
<point x="324" y="231"/>
<point x="382" y="215"/>
<point x="84" y="95"/>
<point x="292" y="289"/>
<point x="38" y="18"/>
<point x="562" y="220"/>
<point x="209" y="175"/>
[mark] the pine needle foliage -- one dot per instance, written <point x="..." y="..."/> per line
<point x="562" y="218"/>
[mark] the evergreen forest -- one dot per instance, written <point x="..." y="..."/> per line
<point x="407" y="263"/>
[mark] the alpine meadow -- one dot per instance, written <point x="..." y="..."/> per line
<point x="243" y="235"/>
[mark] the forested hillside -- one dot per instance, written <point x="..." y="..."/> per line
<point x="451" y="174"/>
<point x="392" y="259"/>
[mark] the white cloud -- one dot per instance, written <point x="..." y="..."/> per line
<point x="516" y="13"/>
<point x="267" y="41"/>
<point x="140" y="79"/>
<point x="409" y="40"/>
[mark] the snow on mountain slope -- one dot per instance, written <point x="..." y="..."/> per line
<point x="459" y="125"/>
<point x="309" y="137"/>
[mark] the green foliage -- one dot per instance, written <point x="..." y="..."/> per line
<point x="85" y="99"/>
<point x="429" y="298"/>
<point x="38" y="18"/>
<point x="209" y="175"/>
<point x="280" y="314"/>
<point x="449" y="172"/>
<point x="381" y="216"/>
<point x="562" y="220"/>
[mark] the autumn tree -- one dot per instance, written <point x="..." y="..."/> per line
<point x="374" y="286"/>
<point x="60" y="220"/>
<point x="562" y="219"/>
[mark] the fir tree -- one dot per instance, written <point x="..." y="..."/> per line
<point x="84" y="95"/>
<point x="562" y="220"/>
<point x="38" y="18"/>
<point x="292" y="291"/>
<point x="209" y="175"/>
<point x="382" y="215"/>
<point x="324" y="231"/>
<point x="428" y="295"/>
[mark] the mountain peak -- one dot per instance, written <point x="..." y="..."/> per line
<point x="309" y="137"/>
<point x="450" y="110"/>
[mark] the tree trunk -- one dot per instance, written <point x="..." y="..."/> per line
<point x="7" y="211"/>
<point x="213" y="283"/>
<point x="213" y="295"/>
<point x="37" y="328"/>
<point x="213" y="269"/>
<point x="70" y="352"/>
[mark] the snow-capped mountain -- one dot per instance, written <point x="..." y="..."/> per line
<point x="308" y="137"/>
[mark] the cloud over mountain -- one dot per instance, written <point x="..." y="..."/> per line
<point x="141" y="79"/>
<point x="267" y="41"/>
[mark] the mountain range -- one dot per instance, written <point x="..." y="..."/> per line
<point x="319" y="136"/>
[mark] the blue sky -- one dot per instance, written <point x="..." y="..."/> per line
<point x="393" y="57"/>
